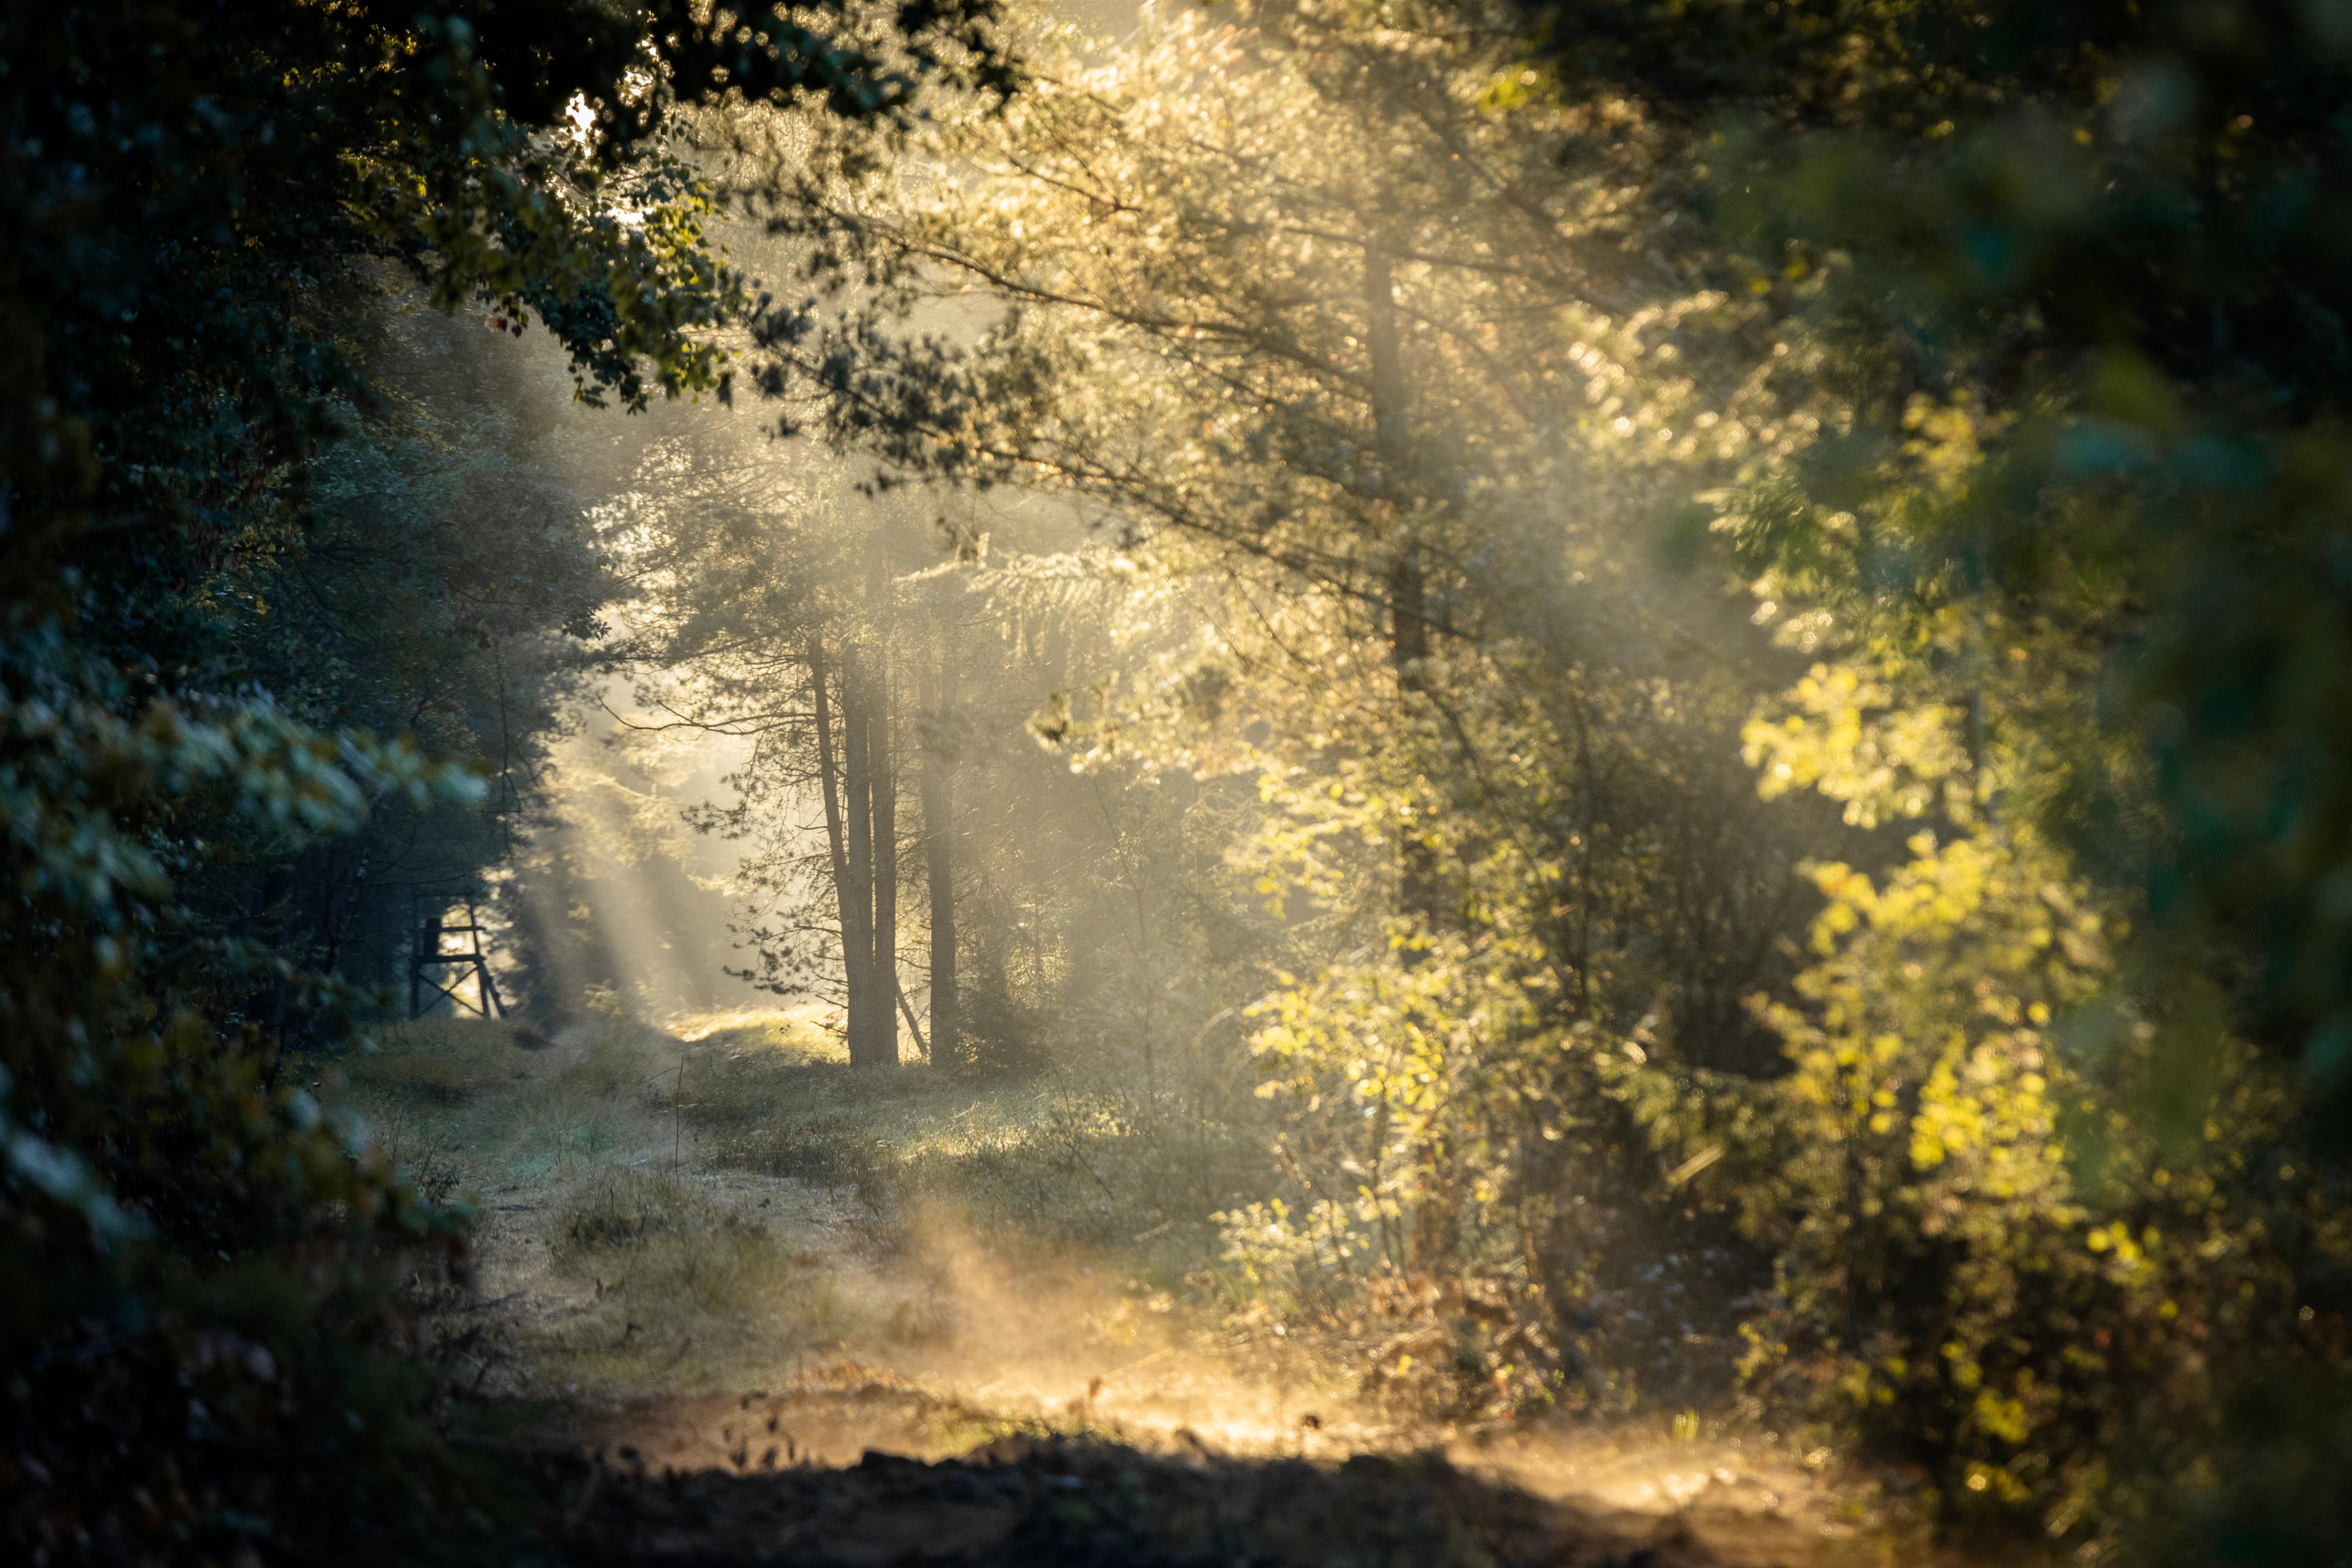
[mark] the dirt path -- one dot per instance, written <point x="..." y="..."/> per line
<point x="715" y="1365"/>
<point x="853" y="1467"/>
<point x="1059" y="1501"/>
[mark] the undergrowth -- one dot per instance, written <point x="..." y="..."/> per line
<point x="1031" y="1161"/>
<point x="740" y="1203"/>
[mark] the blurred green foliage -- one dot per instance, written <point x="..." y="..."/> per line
<point x="2079" y="272"/>
<point x="2072" y="559"/>
<point x="223" y="556"/>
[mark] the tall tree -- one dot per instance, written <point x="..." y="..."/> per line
<point x="936" y="698"/>
<point x="1406" y="579"/>
<point x="856" y="895"/>
<point x="884" y="1003"/>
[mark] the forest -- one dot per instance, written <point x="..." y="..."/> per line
<point x="1176" y="782"/>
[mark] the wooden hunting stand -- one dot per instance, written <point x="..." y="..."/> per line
<point x="431" y="963"/>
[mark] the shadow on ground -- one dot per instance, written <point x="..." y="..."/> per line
<point x="1048" y="1502"/>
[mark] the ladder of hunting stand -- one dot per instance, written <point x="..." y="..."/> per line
<point x="432" y="965"/>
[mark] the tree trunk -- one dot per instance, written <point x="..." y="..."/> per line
<point x="1407" y="587"/>
<point x="858" y="888"/>
<point x="828" y="768"/>
<point x="937" y="699"/>
<point x="1392" y="439"/>
<point x="882" y="774"/>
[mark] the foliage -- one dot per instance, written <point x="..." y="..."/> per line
<point x="1988" y="1264"/>
<point x="2062" y="556"/>
<point x="1981" y="391"/>
<point x="202" y="640"/>
<point x="1487" y="860"/>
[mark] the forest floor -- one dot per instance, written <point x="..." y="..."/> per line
<point x="736" y="1304"/>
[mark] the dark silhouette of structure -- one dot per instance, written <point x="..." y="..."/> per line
<point x="433" y="965"/>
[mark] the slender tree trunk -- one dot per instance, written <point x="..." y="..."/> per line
<point x="1407" y="586"/>
<point x="937" y="699"/>
<point x="1391" y="409"/>
<point x="828" y="768"/>
<point x="1393" y="437"/>
<point x="883" y="776"/>
<point x="857" y="894"/>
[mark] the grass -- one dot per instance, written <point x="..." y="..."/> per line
<point x="669" y="1217"/>
<point x="617" y="1208"/>
<point x="663" y="1249"/>
<point x="731" y="1203"/>
<point x="1030" y="1162"/>
<point x="437" y="1063"/>
<point x="673" y="1218"/>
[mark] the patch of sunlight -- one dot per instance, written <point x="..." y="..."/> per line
<point x="797" y="1031"/>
